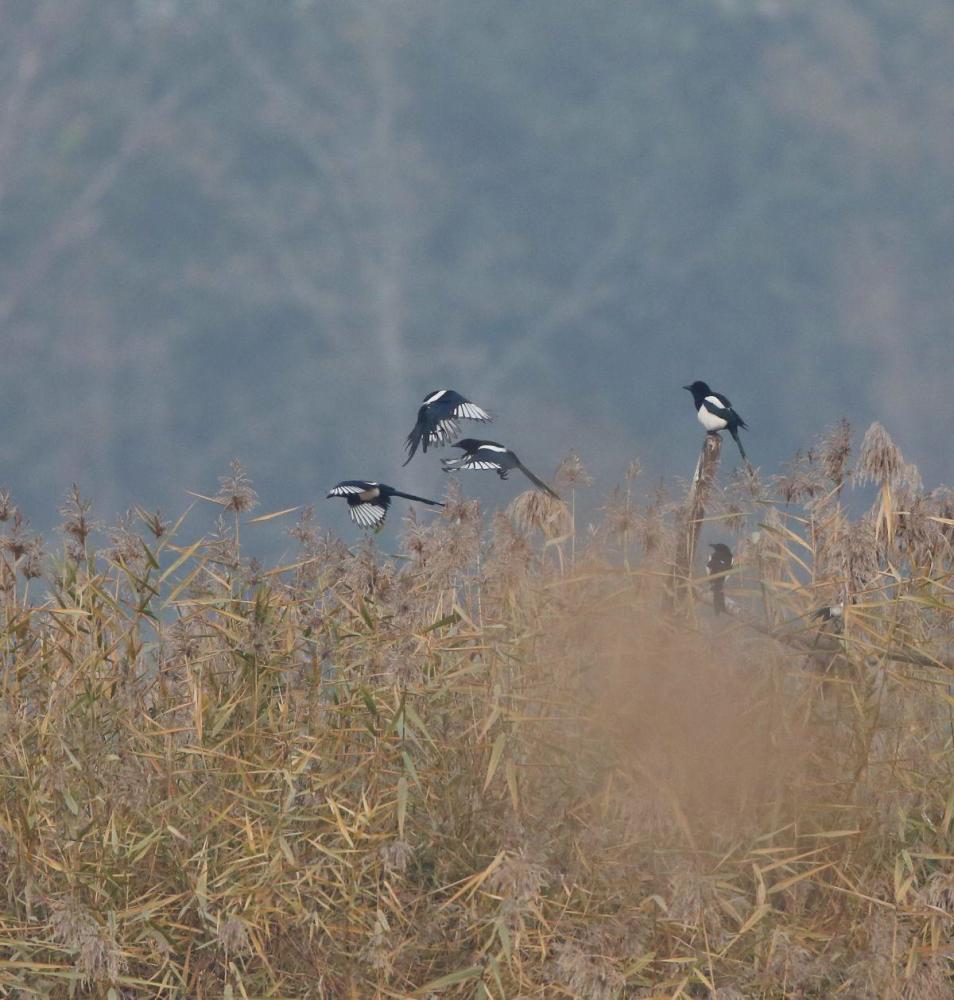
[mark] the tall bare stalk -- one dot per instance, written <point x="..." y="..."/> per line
<point x="694" y="514"/>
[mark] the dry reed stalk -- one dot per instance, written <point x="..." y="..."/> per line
<point x="692" y="518"/>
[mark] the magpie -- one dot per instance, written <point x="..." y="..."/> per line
<point x="716" y="414"/>
<point x="368" y="502"/>
<point x="490" y="455"/>
<point x="719" y="562"/>
<point x="437" y="419"/>
<point x="831" y="617"/>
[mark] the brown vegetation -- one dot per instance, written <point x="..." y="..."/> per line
<point x="493" y="767"/>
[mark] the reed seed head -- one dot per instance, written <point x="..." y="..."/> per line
<point x="235" y="490"/>
<point x="571" y="472"/>
<point x="880" y="460"/>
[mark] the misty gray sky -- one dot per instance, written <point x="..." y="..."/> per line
<point x="265" y="231"/>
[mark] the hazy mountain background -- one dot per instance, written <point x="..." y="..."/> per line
<point x="266" y="229"/>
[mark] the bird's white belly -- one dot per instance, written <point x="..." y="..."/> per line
<point x="710" y="421"/>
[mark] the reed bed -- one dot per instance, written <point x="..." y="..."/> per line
<point x="519" y="760"/>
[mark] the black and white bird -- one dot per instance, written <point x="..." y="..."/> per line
<point x="716" y="414"/>
<point x="831" y="618"/>
<point x="368" y="502"/>
<point x="718" y="563"/>
<point x="490" y="455"/>
<point x="437" y="419"/>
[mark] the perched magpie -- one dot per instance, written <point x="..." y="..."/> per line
<point x="719" y="561"/>
<point x="831" y="618"/>
<point x="368" y="502"/>
<point x="716" y="414"/>
<point x="437" y="419"/>
<point x="490" y="455"/>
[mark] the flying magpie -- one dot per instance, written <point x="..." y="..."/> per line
<point x="490" y="455"/>
<point x="437" y="419"/>
<point x="368" y="502"/>
<point x="719" y="561"/>
<point x="716" y="414"/>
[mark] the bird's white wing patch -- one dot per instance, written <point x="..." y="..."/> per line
<point x="470" y="411"/>
<point x="477" y="464"/>
<point x="367" y="515"/>
<point x="377" y="514"/>
<point x="435" y="396"/>
<point x="343" y="491"/>
<point x="443" y="431"/>
<point x="492" y="447"/>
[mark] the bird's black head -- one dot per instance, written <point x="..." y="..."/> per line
<point x="721" y="559"/>
<point x="699" y="391"/>
<point x="468" y="444"/>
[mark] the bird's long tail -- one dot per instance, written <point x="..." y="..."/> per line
<point x="411" y="496"/>
<point x="735" y="437"/>
<point x="718" y="596"/>
<point x="539" y="483"/>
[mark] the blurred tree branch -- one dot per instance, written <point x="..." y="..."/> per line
<point x="79" y="221"/>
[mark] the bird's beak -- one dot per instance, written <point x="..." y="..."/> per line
<point x="689" y="387"/>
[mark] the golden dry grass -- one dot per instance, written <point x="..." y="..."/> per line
<point x="496" y="767"/>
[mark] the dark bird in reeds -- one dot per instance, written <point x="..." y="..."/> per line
<point x="437" y="419"/>
<point x="716" y="414"/>
<point x="831" y="618"/>
<point x="718" y="564"/>
<point x="491" y="455"/>
<point x="368" y="502"/>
